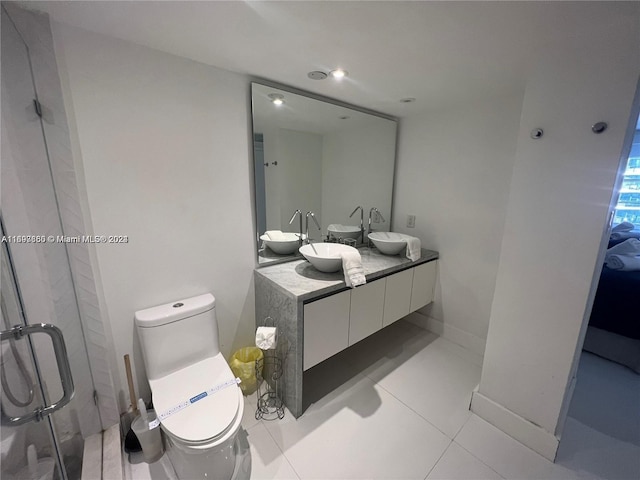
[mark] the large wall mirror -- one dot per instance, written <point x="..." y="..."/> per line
<point x="317" y="156"/>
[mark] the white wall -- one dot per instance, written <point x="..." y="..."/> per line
<point x="164" y="143"/>
<point x="557" y="211"/>
<point x="453" y="173"/>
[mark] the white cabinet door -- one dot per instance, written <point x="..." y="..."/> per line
<point x="326" y="328"/>
<point x="397" y="298"/>
<point x="367" y="304"/>
<point x="424" y="282"/>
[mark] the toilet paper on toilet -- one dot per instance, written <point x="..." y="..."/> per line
<point x="266" y="337"/>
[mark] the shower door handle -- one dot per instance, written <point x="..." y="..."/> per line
<point x="60" y="351"/>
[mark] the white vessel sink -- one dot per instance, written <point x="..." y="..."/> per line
<point x="389" y="243"/>
<point x="344" y="231"/>
<point x="283" y="247"/>
<point x="325" y="256"/>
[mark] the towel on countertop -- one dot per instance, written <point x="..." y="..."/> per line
<point x="275" y="235"/>
<point x="413" y="247"/>
<point x="353" y="270"/>
<point x="630" y="247"/>
<point x="625" y="263"/>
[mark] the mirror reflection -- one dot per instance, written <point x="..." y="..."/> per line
<point x="319" y="157"/>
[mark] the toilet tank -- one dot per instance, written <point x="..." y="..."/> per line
<point x="177" y="334"/>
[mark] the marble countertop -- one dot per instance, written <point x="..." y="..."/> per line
<point x="300" y="280"/>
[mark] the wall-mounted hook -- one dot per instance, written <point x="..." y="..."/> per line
<point x="537" y="133"/>
<point x="599" y="127"/>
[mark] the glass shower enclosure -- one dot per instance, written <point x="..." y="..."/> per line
<point x="48" y="400"/>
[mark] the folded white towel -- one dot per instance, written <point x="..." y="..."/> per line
<point x="623" y="227"/>
<point x="626" y="263"/>
<point x="631" y="246"/>
<point x="353" y="270"/>
<point x="413" y="247"/>
<point x="275" y="235"/>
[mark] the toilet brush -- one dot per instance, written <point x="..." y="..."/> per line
<point x="131" y="443"/>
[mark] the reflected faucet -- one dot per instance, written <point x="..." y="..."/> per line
<point x="361" y="221"/>
<point x="374" y="209"/>
<point x="298" y="212"/>
<point x="313" y="216"/>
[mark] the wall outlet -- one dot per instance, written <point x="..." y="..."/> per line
<point x="411" y="221"/>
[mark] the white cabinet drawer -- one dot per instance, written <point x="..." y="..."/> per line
<point x="397" y="298"/>
<point x="326" y="328"/>
<point x="424" y="282"/>
<point x="367" y="304"/>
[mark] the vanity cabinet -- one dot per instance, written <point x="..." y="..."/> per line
<point x="336" y="322"/>
<point x="318" y="316"/>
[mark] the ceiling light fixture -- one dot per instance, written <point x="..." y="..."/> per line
<point x="276" y="98"/>
<point x="339" y="74"/>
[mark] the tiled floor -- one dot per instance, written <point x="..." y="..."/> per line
<point x="396" y="407"/>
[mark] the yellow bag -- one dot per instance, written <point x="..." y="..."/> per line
<point x="243" y="366"/>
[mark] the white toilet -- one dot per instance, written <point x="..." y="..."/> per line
<point x="189" y="376"/>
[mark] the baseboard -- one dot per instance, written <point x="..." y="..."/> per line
<point x="451" y="333"/>
<point x="533" y="436"/>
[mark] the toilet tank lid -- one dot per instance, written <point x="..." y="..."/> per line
<point x="171" y="312"/>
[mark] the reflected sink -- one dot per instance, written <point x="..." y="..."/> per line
<point x="325" y="256"/>
<point x="344" y="231"/>
<point x="389" y="243"/>
<point x="286" y="246"/>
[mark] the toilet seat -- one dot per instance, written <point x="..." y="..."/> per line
<point x="206" y="420"/>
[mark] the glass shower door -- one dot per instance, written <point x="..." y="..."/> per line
<point x="29" y="449"/>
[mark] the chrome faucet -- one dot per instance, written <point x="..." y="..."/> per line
<point x="374" y="209"/>
<point x="297" y="212"/>
<point x="361" y="221"/>
<point x="313" y="216"/>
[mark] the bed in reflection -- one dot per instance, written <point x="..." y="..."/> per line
<point x="614" y="325"/>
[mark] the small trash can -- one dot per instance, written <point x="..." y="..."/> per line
<point x="243" y="366"/>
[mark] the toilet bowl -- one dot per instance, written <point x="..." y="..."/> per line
<point x="195" y="394"/>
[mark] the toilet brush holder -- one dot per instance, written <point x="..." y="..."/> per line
<point x="148" y="433"/>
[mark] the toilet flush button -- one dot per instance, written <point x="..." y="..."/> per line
<point x="178" y="305"/>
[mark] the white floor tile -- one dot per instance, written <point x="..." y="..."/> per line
<point x="267" y="461"/>
<point x="591" y="452"/>
<point x="458" y="464"/>
<point x="359" y="431"/>
<point x="135" y="468"/>
<point x="435" y="381"/>
<point x="249" y="414"/>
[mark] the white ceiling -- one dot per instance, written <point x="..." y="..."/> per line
<point x="441" y="53"/>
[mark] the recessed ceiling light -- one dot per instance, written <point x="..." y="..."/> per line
<point x="408" y="100"/>
<point x="338" y="73"/>
<point x="317" y="75"/>
<point x="276" y="98"/>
